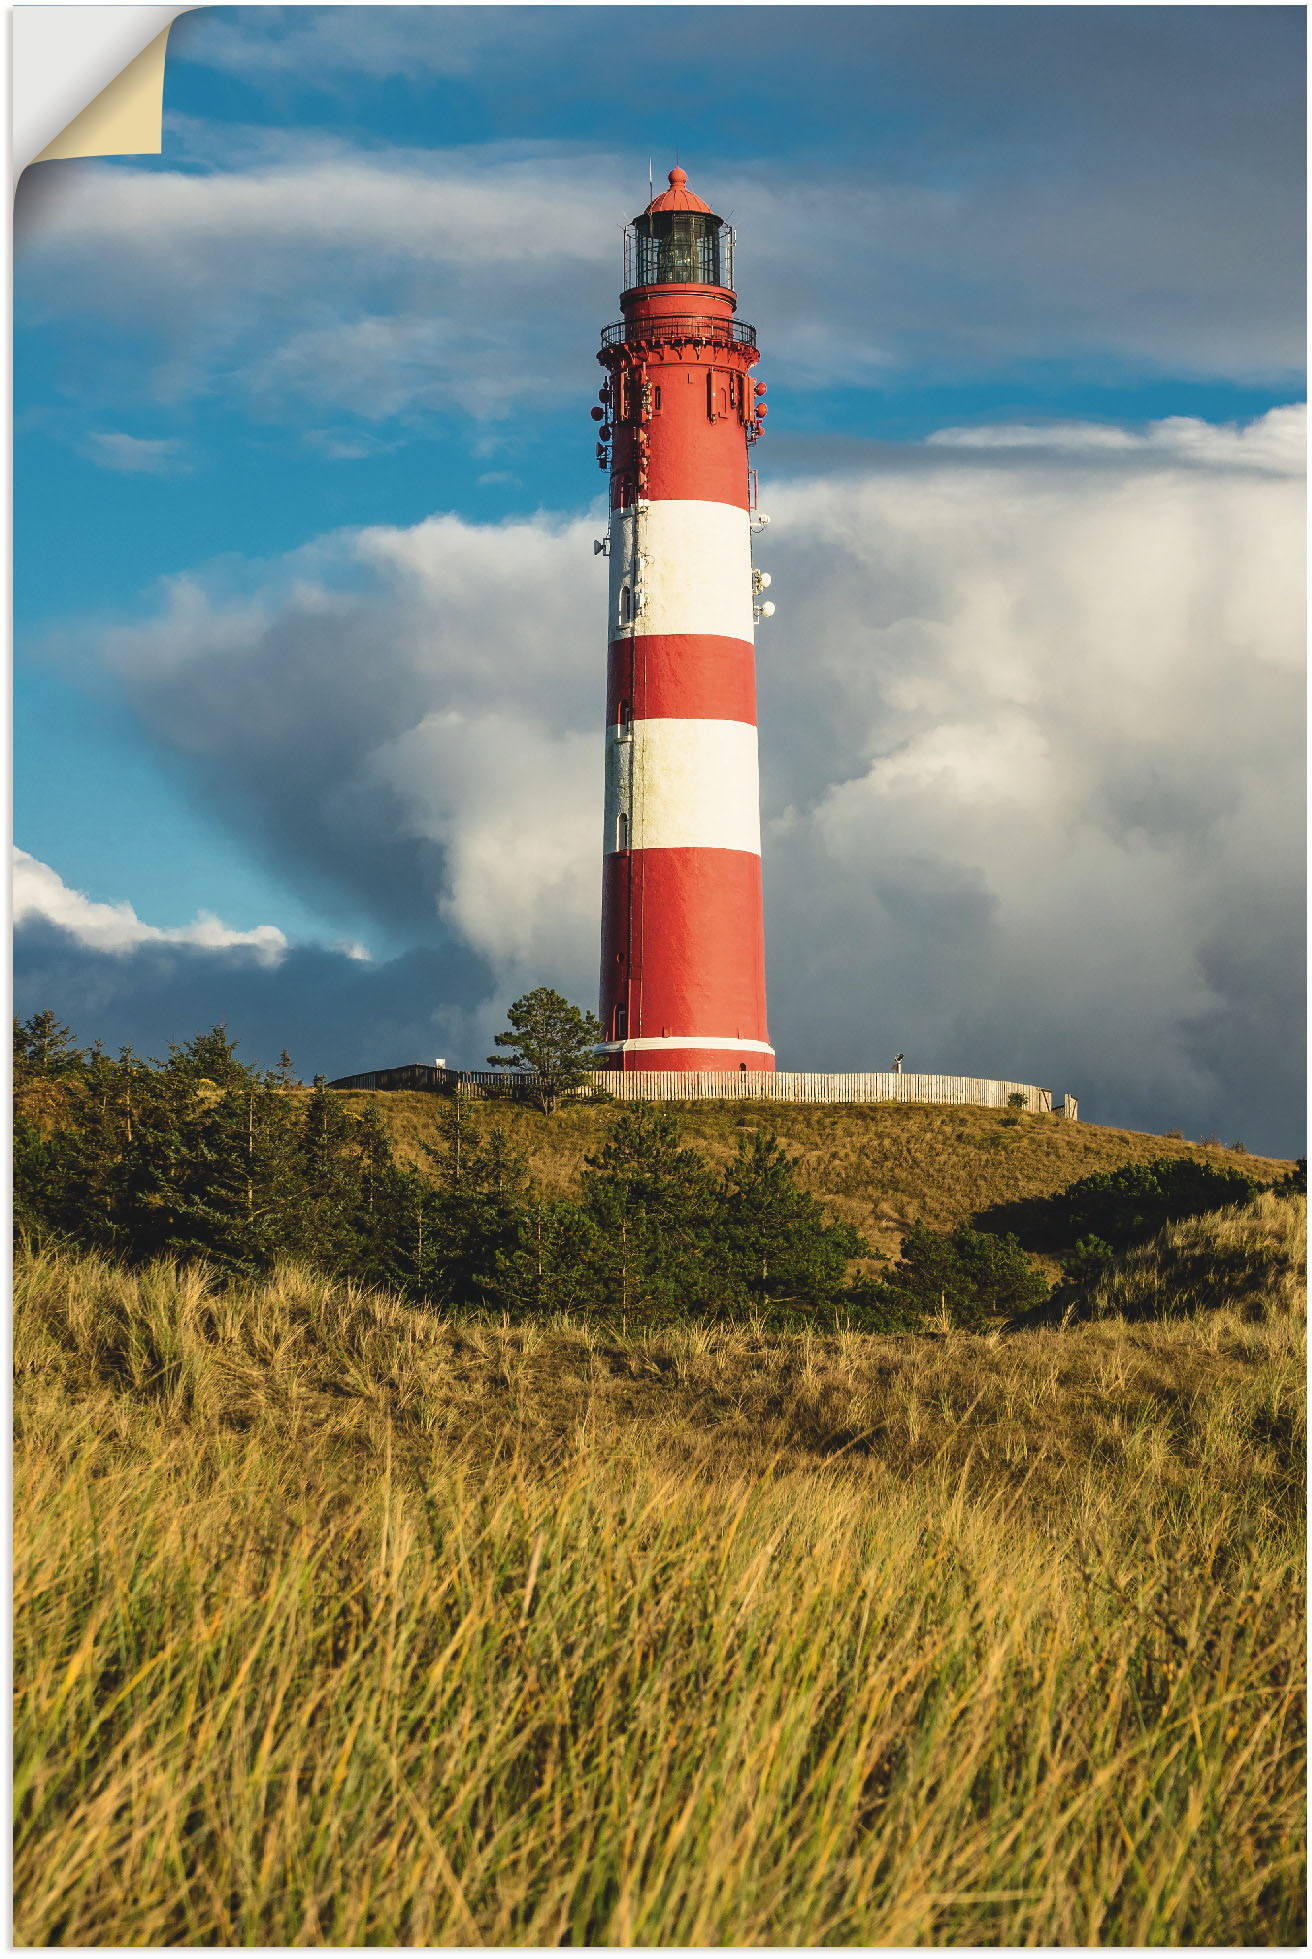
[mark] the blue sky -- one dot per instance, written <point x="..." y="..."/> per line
<point x="278" y="390"/>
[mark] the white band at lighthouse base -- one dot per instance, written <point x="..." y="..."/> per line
<point x="681" y="785"/>
<point x="694" y="574"/>
<point x="643" y="1042"/>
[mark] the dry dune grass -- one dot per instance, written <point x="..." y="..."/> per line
<point x="336" y="1623"/>
<point x="1251" y="1261"/>
<point x="878" y="1166"/>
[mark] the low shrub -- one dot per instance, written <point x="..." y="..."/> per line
<point x="967" y="1276"/>
<point x="1118" y="1208"/>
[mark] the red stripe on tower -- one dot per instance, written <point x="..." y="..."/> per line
<point x="683" y="949"/>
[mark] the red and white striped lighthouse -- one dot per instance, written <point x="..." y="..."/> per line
<point x="682" y="942"/>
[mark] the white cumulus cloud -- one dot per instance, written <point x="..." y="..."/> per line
<point x="1276" y="441"/>
<point x="1044" y="812"/>
<point x="41" y="896"/>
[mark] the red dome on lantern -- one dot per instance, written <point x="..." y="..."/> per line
<point x="678" y="197"/>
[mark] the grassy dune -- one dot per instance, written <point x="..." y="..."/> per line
<point x="879" y="1166"/>
<point x="1252" y="1262"/>
<point x="339" y="1624"/>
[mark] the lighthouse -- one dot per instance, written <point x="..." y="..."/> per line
<point x="682" y="938"/>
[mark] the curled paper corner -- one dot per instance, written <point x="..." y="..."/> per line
<point x="88" y="81"/>
<point x="125" y="119"/>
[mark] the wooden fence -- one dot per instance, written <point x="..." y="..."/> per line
<point x="415" y="1074"/>
<point x="753" y="1086"/>
<point x="490" y="1084"/>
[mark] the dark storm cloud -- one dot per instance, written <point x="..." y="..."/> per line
<point x="1055" y="701"/>
<point x="376" y="715"/>
<point x="335" y="1015"/>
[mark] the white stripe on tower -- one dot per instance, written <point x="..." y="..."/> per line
<point x="651" y="1045"/>
<point x="683" y="785"/>
<point x="695" y="575"/>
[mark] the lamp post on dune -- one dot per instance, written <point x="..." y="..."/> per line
<point x="683" y="956"/>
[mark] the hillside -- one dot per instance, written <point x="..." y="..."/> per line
<point x="879" y="1166"/>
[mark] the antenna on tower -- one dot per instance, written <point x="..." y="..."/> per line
<point x="651" y="183"/>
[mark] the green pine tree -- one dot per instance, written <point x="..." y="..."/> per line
<point x="44" y="1048"/>
<point x="482" y="1184"/>
<point x="551" y="1042"/>
<point x="654" y="1207"/>
<point x="776" y="1240"/>
<point x="555" y="1262"/>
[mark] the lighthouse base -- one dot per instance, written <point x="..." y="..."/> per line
<point x="695" y="1000"/>
<point x="673" y="1057"/>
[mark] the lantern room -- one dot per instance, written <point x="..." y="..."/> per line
<point x="678" y="241"/>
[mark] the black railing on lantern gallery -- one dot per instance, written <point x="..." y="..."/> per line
<point x="719" y="333"/>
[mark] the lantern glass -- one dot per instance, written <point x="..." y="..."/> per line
<point x="678" y="248"/>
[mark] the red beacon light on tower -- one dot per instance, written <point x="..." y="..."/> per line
<point x="683" y="959"/>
